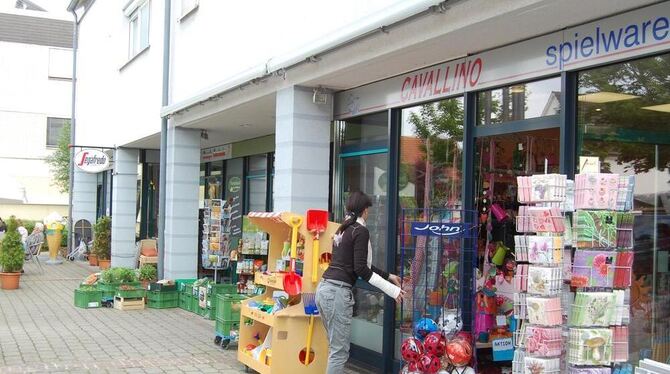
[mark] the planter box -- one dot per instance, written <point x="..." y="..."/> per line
<point x="87" y="299"/>
<point x="130" y="294"/>
<point x="115" y="286"/>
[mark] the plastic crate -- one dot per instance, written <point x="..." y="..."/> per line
<point x="195" y="305"/>
<point x="162" y="287"/>
<point x="218" y="289"/>
<point x="163" y="304"/>
<point x="185" y="302"/>
<point x="187" y="289"/>
<point x="87" y="299"/>
<point x="228" y="307"/>
<point x="161" y="296"/>
<point x="131" y="294"/>
<point x="223" y="328"/>
<point x="181" y="282"/>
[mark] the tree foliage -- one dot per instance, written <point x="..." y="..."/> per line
<point x="59" y="161"/>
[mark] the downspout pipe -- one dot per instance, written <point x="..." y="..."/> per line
<point x="163" y="151"/>
<point x="73" y="128"/>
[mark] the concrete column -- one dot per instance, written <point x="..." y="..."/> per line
<point x="124" y="208"/>
<point x="181" y="205"/>
<point x="301" y="151"/>
<point x="84" y="197"/>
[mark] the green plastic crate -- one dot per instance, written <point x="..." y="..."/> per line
<point x="181" y="282"/>
<point x="131" y="294"/>
<point x="87" y="299"/>
<point x="187" y="289"/>
<point x="223" y="328"/>
<point x="163" y="304"/>
<point x="162" y="287"/>
<point x="217" y="289"/>
<point x="195" y="305"/>
<point x="161" y="296"/>
<point x="227" y="307"/>
<point x="185" y="302"/>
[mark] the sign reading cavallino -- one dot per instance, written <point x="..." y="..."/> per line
<point x="91" y="160"/>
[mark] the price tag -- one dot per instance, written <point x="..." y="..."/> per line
<point x="503" y="349"/>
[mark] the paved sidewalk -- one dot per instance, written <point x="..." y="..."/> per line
<point x="42" y="331"/>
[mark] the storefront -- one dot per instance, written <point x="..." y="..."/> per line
<point x="456" y="135"/>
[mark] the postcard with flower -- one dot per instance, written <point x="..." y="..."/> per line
<point x="593" y="268"/>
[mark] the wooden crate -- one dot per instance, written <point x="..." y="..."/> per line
<point x="121" y="303"/>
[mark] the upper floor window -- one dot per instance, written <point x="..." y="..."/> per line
<point x="138" y="30"/>
<point x="54" y="128"/>
<point x="188" y="7"/>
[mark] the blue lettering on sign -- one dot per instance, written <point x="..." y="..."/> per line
<point x="607" y="41"/>
<point x="437" y="229"/>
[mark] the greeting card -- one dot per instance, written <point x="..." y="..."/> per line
<point x="544" y="249"/>
<point x="521" y="278"/>
<point x="590" y="346"/>
<point x="622" y="269"/>
<point x="544" y="311"/>
<point x="536" y="365"/>
<point x="544" y="280"/>
<point x="593" y="309"/>
<point x="624" y="228"/>
<point x="589" y="370"/>
<point x="620" y="343"/>
<point x="543" y="341"/>
<point x="593" y="268"/>
<point x="596" y="191"/>
<point x="594" y="229"/>
<point x="546" y="219"/>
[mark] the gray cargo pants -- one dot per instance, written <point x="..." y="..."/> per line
<point x="336" y="307"/>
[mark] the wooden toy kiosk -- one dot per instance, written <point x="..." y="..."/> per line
<point x="289" y="326"/>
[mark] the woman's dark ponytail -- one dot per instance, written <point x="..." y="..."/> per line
<point x="356" y="205"/>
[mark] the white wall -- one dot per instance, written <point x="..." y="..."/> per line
<point x="117" y="104"/>
<point x="222" y="38"/>
<point x="27" y="97"/>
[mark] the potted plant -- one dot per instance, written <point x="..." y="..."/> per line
<point x="11" y="257"/>
<point x="102" y="241"/>
<point x="147" y="274"/>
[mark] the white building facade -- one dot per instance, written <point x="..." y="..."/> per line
<point x="35" y="99"/>
<point x="301" y="105"/>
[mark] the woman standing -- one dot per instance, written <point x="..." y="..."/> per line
<point x="352" y="259"/>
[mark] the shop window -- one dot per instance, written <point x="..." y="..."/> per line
<point x="623" y="111"/>
<point x="519" y="101"/>
<point x="54" y="128"/>
<point x="256" y="186"/>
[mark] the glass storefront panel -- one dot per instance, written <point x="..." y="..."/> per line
<point x="363" y="165"/>
<point x="622" y="118"/>
<point x="520" y="101"/>
<point x="430" y="176"/>
<point x="256" y="183"/>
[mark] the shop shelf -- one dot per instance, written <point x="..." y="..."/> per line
<point x="163" y="304"/>
<point x="272" y="280"/>
<point x="161" y="296"/>
<point x="87" y="299"/>
<point x="253" y="364"/>
<point x="258" y="315"/>
<point x="228" y="307"/>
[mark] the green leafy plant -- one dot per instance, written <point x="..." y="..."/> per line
<point x="118" y="275"/>
<point x="102" y="238"/>
<point x="87" y="288"/>
<point x="11" y="249"/>
<point x="148" y="272"/>
<point x="59" y="161"/>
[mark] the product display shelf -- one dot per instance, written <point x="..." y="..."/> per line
<point x="288" y="327"/>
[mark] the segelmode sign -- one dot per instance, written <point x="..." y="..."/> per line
<point x="221" y="152"/>
<point x="640" y="32"/>
<point x="91" y="160"/>
<point x="452" y="230"/>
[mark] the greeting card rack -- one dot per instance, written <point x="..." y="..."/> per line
<point x="538" y="279"/>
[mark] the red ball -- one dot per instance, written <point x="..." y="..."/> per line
<point x="411" y="349"/>
<point x="429" y="363"/>
<point x="435" y="344"/>
<point x="459" y="352"/>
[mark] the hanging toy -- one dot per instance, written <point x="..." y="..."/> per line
<point x="429" y="363"/>
<point x="411" y="349"/>
<point x="410" y="368"/>
<point x="459" y="352"/>
<point x="435" y="344"/>
<point x="424" y="327"/>
<point x="450" y="323"/>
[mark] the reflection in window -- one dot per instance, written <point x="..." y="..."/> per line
<point x="256" y="183"/>
<point x="520" y="101"/>
<point x="623" y="116"/>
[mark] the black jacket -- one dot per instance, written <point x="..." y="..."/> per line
<point x="350" y="257"/>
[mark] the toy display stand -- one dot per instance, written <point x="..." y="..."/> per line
<point x="287" y="328"/>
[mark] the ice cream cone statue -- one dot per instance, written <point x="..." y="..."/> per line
<point x="54" y="230"/>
